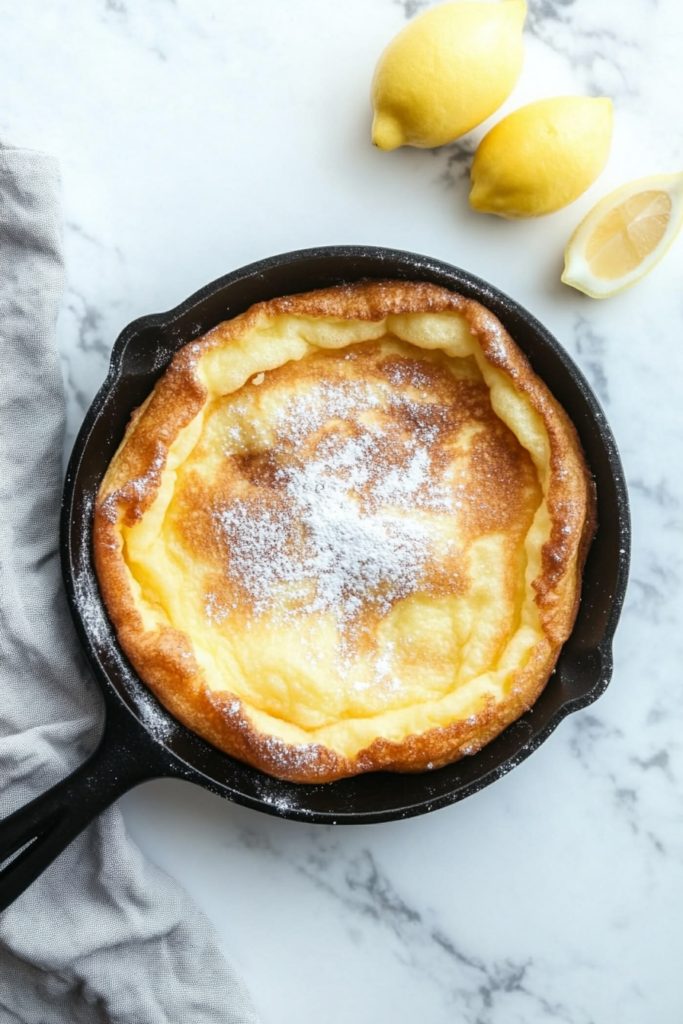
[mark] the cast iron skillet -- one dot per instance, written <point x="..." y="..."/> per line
<point x="142" y="741"/>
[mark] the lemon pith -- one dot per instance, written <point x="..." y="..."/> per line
<point x="541" y="157"/>
<point x="446" y="72"/>
<point x="624" y="236"/>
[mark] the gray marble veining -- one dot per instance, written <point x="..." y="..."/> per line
<point x="195" y="136"/>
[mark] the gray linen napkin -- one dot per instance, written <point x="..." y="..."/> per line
<point x="103" y="936"/>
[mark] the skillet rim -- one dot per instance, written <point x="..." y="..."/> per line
<point x="598" y="659"/>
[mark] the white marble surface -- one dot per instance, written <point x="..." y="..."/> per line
<point x="198" y="135"/>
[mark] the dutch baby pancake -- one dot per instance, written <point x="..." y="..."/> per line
<point x="346" y="532"/>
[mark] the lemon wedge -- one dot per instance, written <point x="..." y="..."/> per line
<point x="624" y="236"/>
<point x="541" y="157"/>
<point x="446" y="72"/>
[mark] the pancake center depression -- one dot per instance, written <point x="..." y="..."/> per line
<point x="334" y="555"/>
<point x="349" y="527"/>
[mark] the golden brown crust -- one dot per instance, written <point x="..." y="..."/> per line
<point x="164" y="657"/>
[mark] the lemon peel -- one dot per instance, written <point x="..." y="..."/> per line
<point x="624" y="236"/>
<point x="446" y="72"/>
<point x="541" y="157"/>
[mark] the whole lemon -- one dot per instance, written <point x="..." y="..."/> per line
<point x="446" y="72"/>
<point x="541" y="157"/>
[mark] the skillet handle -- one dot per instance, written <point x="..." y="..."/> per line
<point x="53" y="820"/>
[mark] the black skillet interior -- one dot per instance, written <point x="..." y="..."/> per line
<point x="140" y="356"/>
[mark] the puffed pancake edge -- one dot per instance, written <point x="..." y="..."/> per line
<point x="164" y="658"/>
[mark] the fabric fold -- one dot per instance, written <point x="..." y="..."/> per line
<point x="103" y="935"/>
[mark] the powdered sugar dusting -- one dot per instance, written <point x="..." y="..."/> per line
<point x="346" y="556"/>
<point x="140" y="485"/>
<point x="86" y="590"/>
<point x="345" y="524"/>
<point x="99" y="630"/>
<point x="155" y="719"/>
<point x="91" y="610"/>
